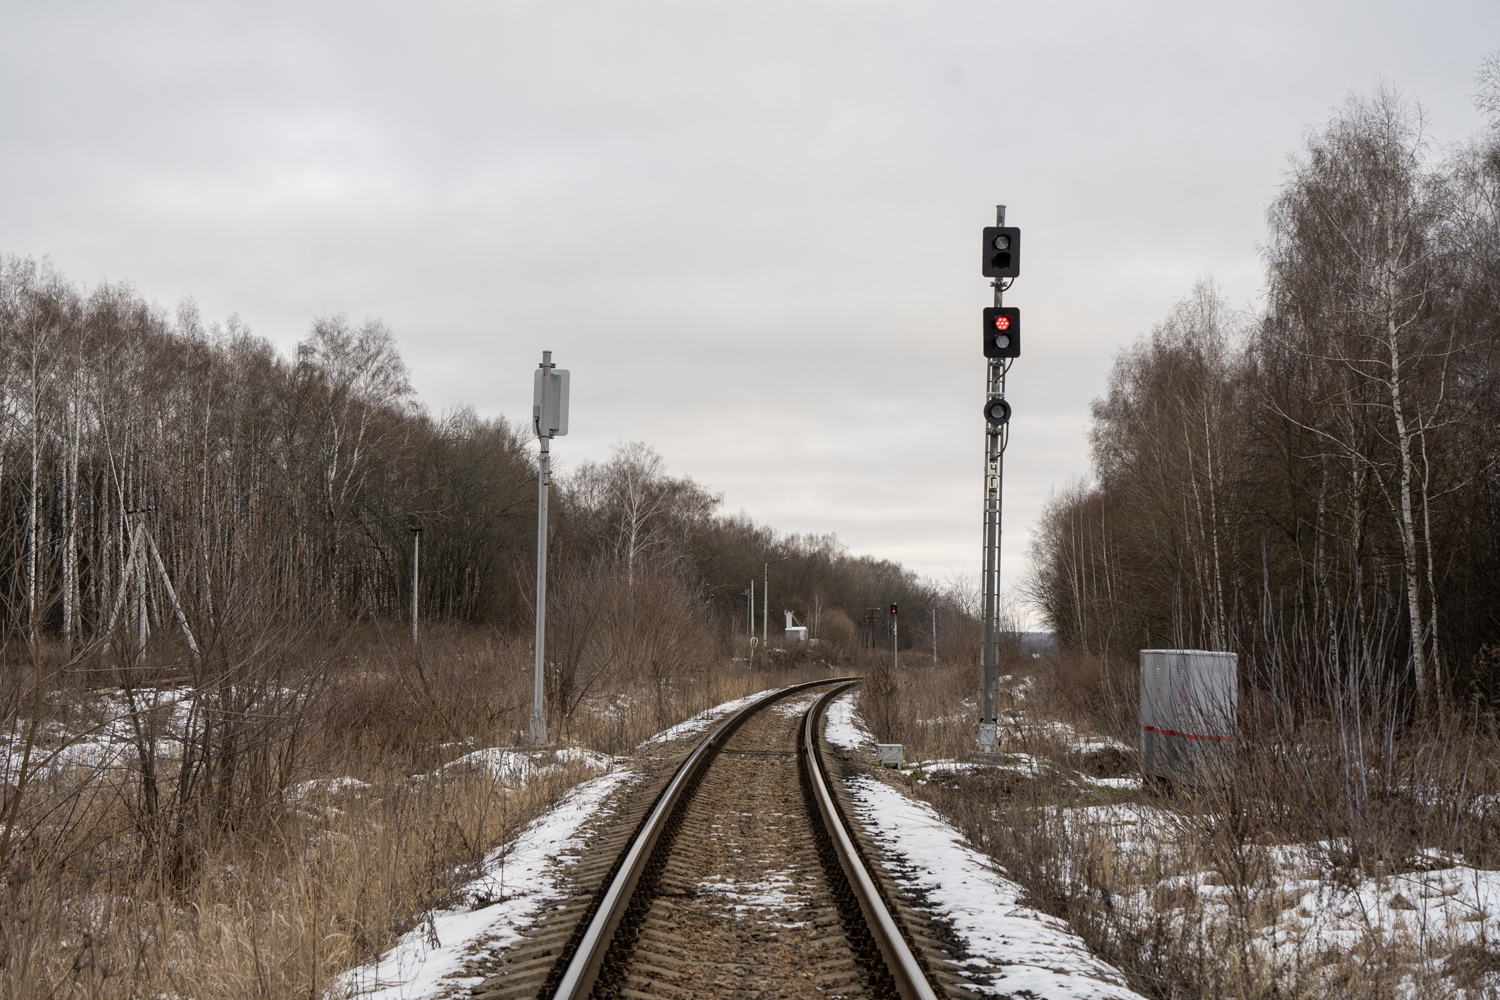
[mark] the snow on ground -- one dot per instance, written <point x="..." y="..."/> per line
<point x="1012" y="948"/>
<point x="520" y="880"/>
<point x="842" y="731"/>
<point x="1020" y="763"/>
<point x="1129" y="783"/>
<point x="774" y="892"/>
<point x="1441" y="904"/>
<point x="702" y="720"/>
<point x="1453" y="905"/>
<point x="101" y="735"/>
<point x="103" y="738"/>
<point x="516" y="766"/>
<point x="1068" y="735"/>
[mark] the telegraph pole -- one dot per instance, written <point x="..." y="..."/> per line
<point x="549" y="417"/>
<point x="1002" y="344"/>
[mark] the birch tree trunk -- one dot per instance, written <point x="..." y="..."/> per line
<point x="1409" y="556"/>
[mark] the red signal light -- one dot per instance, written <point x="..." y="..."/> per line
<point x="1002" y="332"/>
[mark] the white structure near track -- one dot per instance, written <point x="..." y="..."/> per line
<point x="1189" y="699"/>
<point x="795" y="632"/>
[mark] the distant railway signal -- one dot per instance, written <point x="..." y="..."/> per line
<point x="893" y="609"/>
<point x="1002" y="252"/>
<point x="1002" y="332"/>
<point x="1001" y="262"/>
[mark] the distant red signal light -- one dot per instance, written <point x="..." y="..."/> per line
<point x="1002" y="332"/>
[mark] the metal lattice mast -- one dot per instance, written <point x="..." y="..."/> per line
<point x="995" y="438"/>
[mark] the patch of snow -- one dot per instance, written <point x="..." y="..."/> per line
<point x="842" y="731"/>
<point x="326" y="786"/>
<point x="795" y="706"/>
<point x="769" y="893"/>
<point x="703" y="720"/>
<point x="1446" y="908"/>
<point x="102" y="734"/>
<point x="512" y="766"/>
<point x="929" y="768"/>
<point x="1069" y="736"/>
<point x="1017" y="763"/>
<point x="1447" y="905"/>
<point x="1012" y="948"/>
<point x="520" y="881"/>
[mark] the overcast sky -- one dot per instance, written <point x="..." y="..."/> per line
<point x="751" y="230"/>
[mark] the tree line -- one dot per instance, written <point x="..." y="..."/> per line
<point x="167" y="477"/>
<point x="1314" y="485"/>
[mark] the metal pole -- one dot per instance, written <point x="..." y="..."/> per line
<point x="765" y="602"/>
<point x="544" y="479"/>
<point x="895" y="646"/>
<point x="750" y="622"/>
<point x="989" y="658"/>
<point x="416" y="579"/>
<point x="934" y="637"/>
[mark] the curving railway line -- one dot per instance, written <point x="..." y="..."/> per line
<point x="738" y="876"/>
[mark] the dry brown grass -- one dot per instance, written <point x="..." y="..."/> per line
<point x="309" y="874"/>
<point x="1125" y="880"/>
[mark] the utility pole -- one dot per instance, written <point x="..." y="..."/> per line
<point x="549" y="416"/>
<point x="934" y="637"/>
<point x="1001" y="261"/>
<point x="765" y="599"/>
<point x="416" y="578"/>
<point x="765" y="602"/>
<point x="749" y="596"/>
<point x="895" y="645"/>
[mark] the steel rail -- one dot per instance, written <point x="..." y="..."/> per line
<point x="911" y="981"/>
<point x="583" y="967"/>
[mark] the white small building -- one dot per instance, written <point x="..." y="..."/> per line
<point x="794" y="632"/>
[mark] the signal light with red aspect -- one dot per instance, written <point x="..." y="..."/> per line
<point x="1002" y="332"/>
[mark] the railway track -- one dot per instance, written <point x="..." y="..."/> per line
<point x="739" y="877"/>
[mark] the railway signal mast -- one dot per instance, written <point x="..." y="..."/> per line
<point x="1001" y="263"/>
<point x="549" y="418"/>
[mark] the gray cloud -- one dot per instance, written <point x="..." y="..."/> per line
<point x="749" y="230"/>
